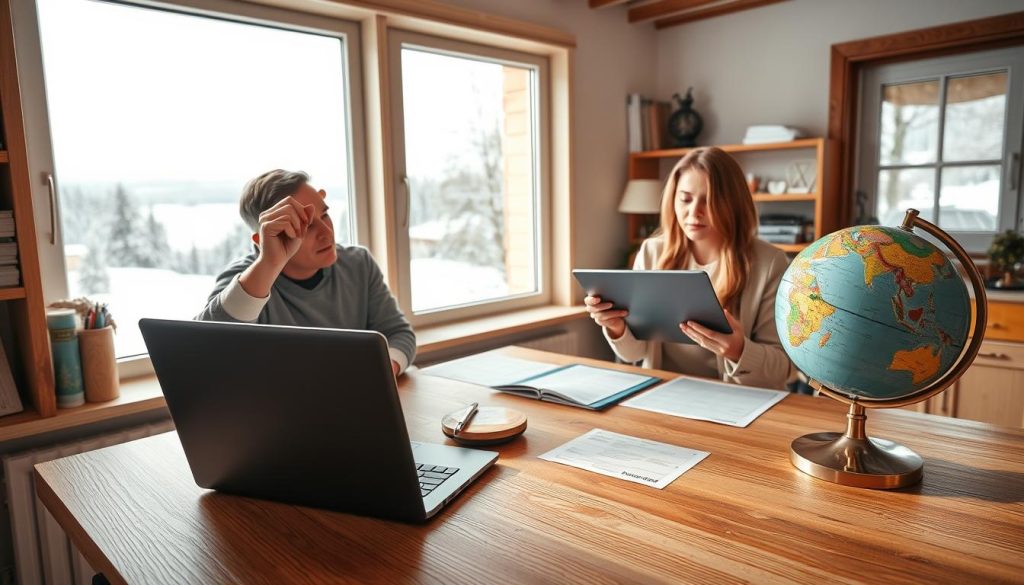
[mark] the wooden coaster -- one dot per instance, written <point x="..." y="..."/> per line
<point x="490" y="425"/>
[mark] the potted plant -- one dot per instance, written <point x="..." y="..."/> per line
<point x="1006" y="253"/>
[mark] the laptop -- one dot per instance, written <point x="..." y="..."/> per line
<point x="301" y="415"/>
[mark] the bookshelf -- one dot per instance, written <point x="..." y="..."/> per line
<point x="28" y="346"/>
<point x="762" y="159"/>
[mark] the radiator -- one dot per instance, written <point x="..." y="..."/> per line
<point x="564" y="342"/>
<point x="43" y="554"/>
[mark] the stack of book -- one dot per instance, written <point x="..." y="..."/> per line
<point x="646" y="123"/>
<point x="770" y="133"/>
<point x="783" y="229"/>
<point x="6" y="224"/>
<point x="9" y="273"/>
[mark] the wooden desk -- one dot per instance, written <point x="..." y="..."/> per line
<point x="743" y="514"/>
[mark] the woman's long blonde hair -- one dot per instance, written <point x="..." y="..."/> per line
<point x="730" y="210"/>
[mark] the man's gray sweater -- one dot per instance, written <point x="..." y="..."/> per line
<point x="351" y="295"/>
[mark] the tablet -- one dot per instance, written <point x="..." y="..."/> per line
<point x="658" y="300"/>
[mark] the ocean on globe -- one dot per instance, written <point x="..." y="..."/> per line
<point x="873" y="312"/>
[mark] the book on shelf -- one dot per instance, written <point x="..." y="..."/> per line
<point x="782" y="238"/>
<point x="573" y="385"/>
<point x="10" y="275"/>
<point x="780" y="229"/>
<point x="6" y="223"/>
<point x="646" y="123"/>
<point x="781" y="219"/>
<point x="10" y="402"/>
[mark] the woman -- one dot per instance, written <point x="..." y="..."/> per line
<point x="708" y="222"/>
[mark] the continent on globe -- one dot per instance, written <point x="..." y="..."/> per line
<point x="873" y="311"/>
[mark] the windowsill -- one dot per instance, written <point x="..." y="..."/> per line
<point x="142" y="394"/>
<point x="449" y="335"/>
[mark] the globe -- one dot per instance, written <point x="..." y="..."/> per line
<point x="873" y="312"/>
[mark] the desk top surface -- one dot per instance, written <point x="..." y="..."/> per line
<point x="743" y="514"/>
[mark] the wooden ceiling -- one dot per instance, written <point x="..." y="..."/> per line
<point x="666" y="13"/>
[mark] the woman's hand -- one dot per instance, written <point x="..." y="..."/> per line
<point x="727" y="345"/>
<point x="614" y="320"/>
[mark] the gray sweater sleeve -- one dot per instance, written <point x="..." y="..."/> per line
<point x="383" y="313"/>
<point x="214" y="310"/>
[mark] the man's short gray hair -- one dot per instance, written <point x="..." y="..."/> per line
<point x="265" y="191"/>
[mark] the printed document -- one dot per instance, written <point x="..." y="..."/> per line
<point x="630" y="458"/>
<point x="489" y="369"/>
<point x="718" y="402"/>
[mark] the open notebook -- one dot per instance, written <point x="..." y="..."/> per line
<point x="575" y="384"/>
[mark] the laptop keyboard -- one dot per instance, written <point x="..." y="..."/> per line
<point x="432" y="476"/>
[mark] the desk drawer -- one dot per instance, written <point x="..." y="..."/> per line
<point x="1005" y="321"/>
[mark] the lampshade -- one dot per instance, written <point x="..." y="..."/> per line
<point x="641" y="196"/>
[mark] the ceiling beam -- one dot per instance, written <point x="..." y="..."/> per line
<point x="663" y="8"/>
<point x="718" y="10"/>
<point x="605" y="3"/>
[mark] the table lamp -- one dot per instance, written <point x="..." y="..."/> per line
<point x="642" y="201"/>
<point x="642" y="196"/>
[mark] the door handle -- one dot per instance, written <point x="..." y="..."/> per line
<point x="993" y="355"/>
<point x="1014" y="169"/>
<point x="408" y="200"/>
<point x="51" y="185"/>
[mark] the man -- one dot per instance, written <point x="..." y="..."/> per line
<point x="299" y="276"/>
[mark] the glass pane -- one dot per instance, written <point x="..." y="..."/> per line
<point x="969" y="200"/>
<point x="899" y="189"/>
<point x="975" y="116"/>
<point x="910" y="123"/>
<point x="154" y="144"/>
<point x="470" y="153"/>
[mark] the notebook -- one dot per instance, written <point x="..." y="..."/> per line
<point x="578" y="385"/>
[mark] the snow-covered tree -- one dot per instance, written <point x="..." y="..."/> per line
<point x="92" y="275"/>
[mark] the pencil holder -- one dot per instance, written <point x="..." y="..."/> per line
<point x="99" y="364"/>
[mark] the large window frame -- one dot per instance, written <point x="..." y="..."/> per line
<point x="868" y="166"/>
<point x="376" y="198"/>
<point x="41" y="160"/>
<point x="397" y="39"/>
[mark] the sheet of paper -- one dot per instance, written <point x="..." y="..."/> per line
<point x="489" y="369"/>
<point x="718" y="402"/>
<point x="586" y="384"/>
<point x="629" y="458"/>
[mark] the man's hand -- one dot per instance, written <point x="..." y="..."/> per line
<point x="282" y="228"/>
<point x="395" y="368"/>
<point x="728" y="345"/>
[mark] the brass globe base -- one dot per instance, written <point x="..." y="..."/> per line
<point x="856" y="460"/>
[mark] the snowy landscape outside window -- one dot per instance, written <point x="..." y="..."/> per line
<point x="471" y="156"/>
<point x="154" y="138"/>
<point x="943" y="136"/>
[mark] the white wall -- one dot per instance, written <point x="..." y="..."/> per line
<point x="770" y="65"/>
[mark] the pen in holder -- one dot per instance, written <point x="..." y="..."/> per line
<point x="99" y="364"/>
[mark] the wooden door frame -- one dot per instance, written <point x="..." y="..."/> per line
<point x="850" y="58"/>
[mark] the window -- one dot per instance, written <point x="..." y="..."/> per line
<point x="469" y="126"/>
<point x="944" y="136"/>
<point x="153" y="139"/>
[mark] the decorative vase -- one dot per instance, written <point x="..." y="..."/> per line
<point x="685" y="124"/>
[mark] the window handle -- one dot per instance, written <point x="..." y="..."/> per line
<point x="408" y="201"/>
<point x="53" y="208"/>
<point x="1014" y="170"/>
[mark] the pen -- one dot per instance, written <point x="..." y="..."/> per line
<point x="465" y="419"/>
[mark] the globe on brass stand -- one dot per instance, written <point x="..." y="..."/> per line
<point x="878" y="318"/>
